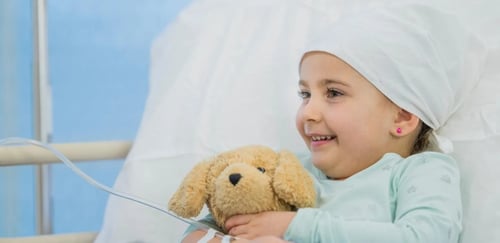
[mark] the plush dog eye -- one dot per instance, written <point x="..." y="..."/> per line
<point x="261" y="169"/>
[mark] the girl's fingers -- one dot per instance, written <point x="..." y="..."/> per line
<point x="238" y="231"/>
<point x="237" y="220"/>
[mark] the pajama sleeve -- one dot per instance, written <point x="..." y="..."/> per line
<point x="428" y="199"/>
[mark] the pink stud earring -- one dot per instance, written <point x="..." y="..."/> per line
<point x="399" y="130"/>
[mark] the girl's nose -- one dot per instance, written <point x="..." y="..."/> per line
<point x="311" y="111"/>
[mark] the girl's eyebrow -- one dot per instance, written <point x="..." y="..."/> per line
<point x="324" y="82"/>
<point x="332" y="81"/>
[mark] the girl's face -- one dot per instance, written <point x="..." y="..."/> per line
<point x="344" y="120"/>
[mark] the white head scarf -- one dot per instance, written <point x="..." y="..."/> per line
<point x="418" y="56"/>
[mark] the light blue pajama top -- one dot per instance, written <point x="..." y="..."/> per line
<point x="413" y="199"/>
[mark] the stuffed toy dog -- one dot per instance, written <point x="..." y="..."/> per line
<point x="246" y="180"/>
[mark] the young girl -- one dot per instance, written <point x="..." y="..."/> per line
<point x="376" y="89"/>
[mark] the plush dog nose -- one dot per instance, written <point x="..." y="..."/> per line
<point x="234" y="178"/>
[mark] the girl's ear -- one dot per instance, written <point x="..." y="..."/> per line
<point x="405" y="123"/>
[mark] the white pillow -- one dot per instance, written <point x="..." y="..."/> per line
<point x="225" y="74"/>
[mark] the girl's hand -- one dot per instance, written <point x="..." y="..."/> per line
<point x="251" y="226"/>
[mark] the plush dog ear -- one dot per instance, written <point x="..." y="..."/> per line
<point x="192" y="194"/>
<point x="292" y="183"/>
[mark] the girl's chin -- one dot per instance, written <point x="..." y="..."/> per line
<point x="320" y="163"/>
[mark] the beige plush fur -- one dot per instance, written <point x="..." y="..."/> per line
<point x="246" y="180"/>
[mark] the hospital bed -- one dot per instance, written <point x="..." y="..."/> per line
<point x="190" y="115"/>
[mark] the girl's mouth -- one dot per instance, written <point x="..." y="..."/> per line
<point x="317" y="141"/>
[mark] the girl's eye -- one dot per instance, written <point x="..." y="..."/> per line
<point x="261" y="169"/>
<point x="333" y="93"/>
<point x="304" y="94"/>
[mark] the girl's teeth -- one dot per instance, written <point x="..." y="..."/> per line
<point x="319" y="138"/>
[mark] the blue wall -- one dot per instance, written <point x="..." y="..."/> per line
<point x="17" y="208"/>
<point x="99" y="53"/>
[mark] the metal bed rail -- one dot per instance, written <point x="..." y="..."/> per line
<point x="85" y="151"/>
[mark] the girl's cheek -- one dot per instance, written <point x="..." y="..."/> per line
<point x="298" y="119"/>
<point x="298" y="125"/>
